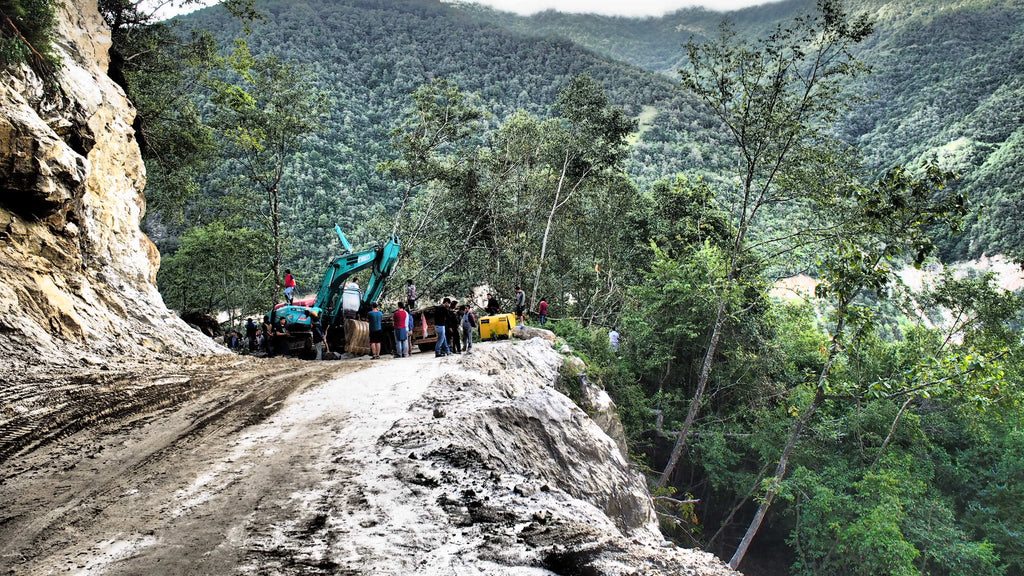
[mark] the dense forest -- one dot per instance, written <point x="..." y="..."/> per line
<point x="946" y="85"/>
<point x="639" y="181"/>
<point x="369" y="57"/>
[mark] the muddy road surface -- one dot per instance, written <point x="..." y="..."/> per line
<point x="211" y="466"/>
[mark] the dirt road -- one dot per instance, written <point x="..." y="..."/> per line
<point x="462" y="465"/>
<point x="197" y="469"/>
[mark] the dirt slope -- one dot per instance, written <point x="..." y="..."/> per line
<point x="466" y="465"/>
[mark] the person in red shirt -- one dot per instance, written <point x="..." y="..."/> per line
<point x="401" y="319"/>
<point x="289" y="286"/>
<point x="543" y="311"/>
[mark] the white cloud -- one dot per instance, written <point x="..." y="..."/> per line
<point x="616" y="7"/>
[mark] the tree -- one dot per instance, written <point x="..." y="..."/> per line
<point x="216" y="268"/>
<point x="776" y="100"/>
<point x="484" y="192"/>
<point x="887" y="221"/>
<point x="266" y="119"/>
<point x="161" y="73"/>
<point x="431" y="141"/>
<point x="592" y="144"/>
<point x="26" y="31"/>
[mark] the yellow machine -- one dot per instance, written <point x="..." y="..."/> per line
<point x="499" y="326"/>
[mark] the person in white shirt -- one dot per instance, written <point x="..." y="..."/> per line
<point x="613" y="339"/>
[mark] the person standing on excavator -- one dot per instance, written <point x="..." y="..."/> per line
<point x="410" y="295"/>
<point x="289" y="286"/>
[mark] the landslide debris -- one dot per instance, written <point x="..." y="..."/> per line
<point x="524" y="476"/>
<point x="466" y="464"/>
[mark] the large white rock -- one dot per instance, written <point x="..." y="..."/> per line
<point x="500" y="458"/>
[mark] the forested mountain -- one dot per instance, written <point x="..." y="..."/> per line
<point x="947" y="83"/>
<point x="369" y="56"/>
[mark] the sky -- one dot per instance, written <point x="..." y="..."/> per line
<point x="605" y="7"/>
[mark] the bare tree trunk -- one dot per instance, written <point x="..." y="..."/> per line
<point x="702" y="382"/>
<point x="892" y="430"/>
<point x="401" y="208"/>
<point x="275" y="223"/>
<point x="780" y="473"/>
<point x="547" y="231"/>
<point x="794" y="437"/>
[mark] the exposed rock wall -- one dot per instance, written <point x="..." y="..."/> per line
<point x="77" y="275"/>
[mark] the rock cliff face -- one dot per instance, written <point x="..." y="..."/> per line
<point x="77" y="275"/>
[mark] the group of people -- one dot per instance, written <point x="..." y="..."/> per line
<point x="270" y="338"/>
<point x="493" y="307"/>
<point x="453" y="324"/>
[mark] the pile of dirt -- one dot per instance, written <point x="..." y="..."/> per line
<point x="522" y="477"/>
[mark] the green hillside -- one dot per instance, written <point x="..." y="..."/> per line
<point x="947" y="82"/>
<point x="370" y="55"/>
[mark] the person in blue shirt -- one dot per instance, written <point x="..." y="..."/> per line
<point x="375" y="317"/>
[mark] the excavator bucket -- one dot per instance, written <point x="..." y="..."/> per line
<point x="357" y="337"/>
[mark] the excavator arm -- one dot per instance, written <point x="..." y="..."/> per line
<point x="329" y="297"/>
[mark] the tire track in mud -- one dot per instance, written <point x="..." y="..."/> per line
<point x="71" y="417"/>
<point x="37" y="412"/>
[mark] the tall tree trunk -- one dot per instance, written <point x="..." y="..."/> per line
<point x="401" y="209"/>
<point x="794" y="437"/>
<point x="780" y="473"/>
<point x="716" y="336"/>
<point x="702" y="382"/>
<point x="275" y="223"/>
<point x="547" y="231"/>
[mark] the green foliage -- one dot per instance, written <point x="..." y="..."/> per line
<point x="882" y="521"/>
<point x="265" y="119"/>
<point x="503" y="207"/>
<point x="26" y="35"/>
<point x="614" y="375"/>
<point x="161" y="72"/>
<point x="907" y="452"/>
<point x="668" y="313"/>
<point x="945" y="85"/>
<point x="218" y="268"/>
<point x="369" y="57"/>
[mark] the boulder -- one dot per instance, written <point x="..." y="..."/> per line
<point x="524" y="332"/>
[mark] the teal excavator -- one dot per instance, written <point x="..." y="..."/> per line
<point x="340" y="306"/>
